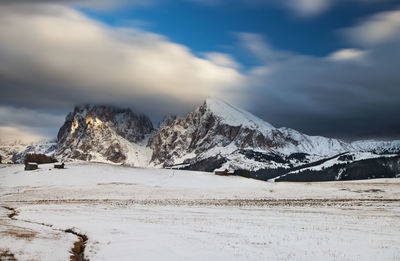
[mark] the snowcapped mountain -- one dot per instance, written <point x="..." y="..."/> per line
<point x="378" y="147"/>
<point x="218" y="133"/>
<point x="106" y="134"/>
<point x="215" y="135"/>
<point x="15" y="153"/>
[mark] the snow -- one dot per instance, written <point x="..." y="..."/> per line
<point x="377" y="146"/>
<point x="7" y="151"/>
<point x="357" y="156"/>
<point x="314" y="145"/>
<point x="233" y="116"/>
<point x="152" y="214"/>
<point x="27" y="241"/>
<point x="137" y="155"/>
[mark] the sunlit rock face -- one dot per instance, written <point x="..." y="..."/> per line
<point x="102" y="133"/>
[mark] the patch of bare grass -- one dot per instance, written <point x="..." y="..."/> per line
<point x="6" y="255"/>
<point x="21" y="234"/>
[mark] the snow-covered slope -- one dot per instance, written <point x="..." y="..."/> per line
<point x="15" y="153"/>
<point x="233" y="116"/>
<point x="161" y="214"/>
<point x="106" y="134"/>
<point x="345" y="158"/>
<point x="8" y="150"/>
<point x="379" y="147"/>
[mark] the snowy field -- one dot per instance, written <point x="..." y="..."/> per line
<point x="106" y="212"/>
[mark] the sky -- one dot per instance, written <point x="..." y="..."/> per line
<point x="322" y="67"/>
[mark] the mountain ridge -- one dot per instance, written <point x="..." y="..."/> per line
<point x="214" y="135"/>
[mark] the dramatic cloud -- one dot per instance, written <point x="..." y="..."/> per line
<point x="351" y="93"/>
<point x="378" y="29"/>
<point x="69" y="55"/>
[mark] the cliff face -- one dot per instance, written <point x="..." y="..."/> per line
<point x="104" y="133"/>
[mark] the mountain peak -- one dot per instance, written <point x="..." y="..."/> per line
<point x="104" y="133"/>
<point x="234" y="116"/>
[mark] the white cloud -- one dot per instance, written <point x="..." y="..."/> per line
<point x="222" y="59"/>
<point x="378" y="29"/>
<point x="257" y="45"/>
<point x="70" y="53"/>
<point x="308" y="7"/>
<point x="349" y="54"/>
<point x="11" y="134"/>
<point x="302" y="8"/>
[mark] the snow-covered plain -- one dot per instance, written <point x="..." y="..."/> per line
<point x="157" y="214"/>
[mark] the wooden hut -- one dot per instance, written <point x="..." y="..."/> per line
<point x="221" y="172"/>
<point x="31" y="166"/>
<point x="59" y="165"/>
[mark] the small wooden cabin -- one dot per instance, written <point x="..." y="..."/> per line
<point x="59" y="165"/>
<point x="223" y="172"/>
<point x="31" y="166"/>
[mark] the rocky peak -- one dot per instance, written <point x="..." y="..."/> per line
<point x="214" y="124"/>
<point x="100" y="132"/>
<point x="89" y="118"/>
<point x="167" y="120"/>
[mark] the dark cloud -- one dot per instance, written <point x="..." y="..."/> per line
<point x="342" y="98"/>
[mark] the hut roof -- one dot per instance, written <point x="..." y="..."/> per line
<point x="31" y="163"/>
